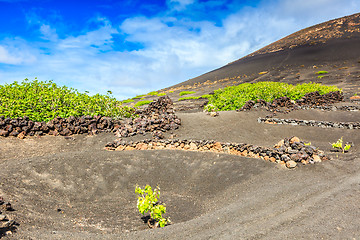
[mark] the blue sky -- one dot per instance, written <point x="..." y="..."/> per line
<point x="134" y="47"/>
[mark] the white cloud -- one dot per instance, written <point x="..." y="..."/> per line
<point x="48" y="32"/>
<point x="16" y="51"/>
<point x="174" y="49"/>
<point x="6" y="57"/>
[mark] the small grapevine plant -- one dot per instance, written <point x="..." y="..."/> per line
<point x="148" y="201"/>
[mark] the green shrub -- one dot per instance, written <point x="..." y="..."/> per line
<point x="232" y="98"/>
<point x="43" y="101"/>
<point x="322" y="72"/>
<point x="186" y="93"/>
<point x="161" y="94"/>
<point x="187" y="98"/>
<point x="141" y="103"/>
<point x="148" y="201"/>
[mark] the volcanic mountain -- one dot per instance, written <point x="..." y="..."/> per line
<point x="329" y="44"/>
<point x="332" y="46"/>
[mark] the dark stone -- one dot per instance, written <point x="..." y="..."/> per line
<point x="14" y="133"/>
<point x="36" y="126"/>
<point x="58" y="127"/>
<point x="65" y="132"/>
<point x="4" y="133"/>
<point x="9" y="128"/>
<point x="285" y="158"/>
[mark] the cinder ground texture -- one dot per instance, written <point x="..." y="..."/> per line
<point x="74" y="189"/>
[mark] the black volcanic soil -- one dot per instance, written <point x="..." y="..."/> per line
<point x="207" y="194"/>
<point x="74" y="189"/>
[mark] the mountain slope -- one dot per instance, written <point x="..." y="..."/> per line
<point x="328" y="43"/>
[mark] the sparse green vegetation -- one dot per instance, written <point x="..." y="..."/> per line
<point x="322" y="72"/>
<point x="141" y="103"/>
<point x="127" y="101"/>
<point x="232" y="98"/>
<point x="43" y="101"/>
<point x="148" y="201"/>
<point x="206" y="96"/>
<point x="188" y="98"/>
<point x="153" y="93"/>
<point x="186" y="93"/>
<point x="139" y="96"/>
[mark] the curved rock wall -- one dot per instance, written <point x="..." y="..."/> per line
<point x="289" y="152"/>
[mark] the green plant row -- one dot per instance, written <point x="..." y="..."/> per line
<point x="43" y="101"/>
<point x="232" y="98"/>
<point x="186" y="93"/>
<point x="139" y="96"/>
<point x="127" y="101"/>
<point x="141" y="103"/>
<point x="188" y="98"/>
<point x="154" y="93"/>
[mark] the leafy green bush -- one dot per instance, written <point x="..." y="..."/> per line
<point x="43" y="101"/>
<point x="322" y="72"/>
<point x="141" y="103"/>
<point x="186" y="93"/>
<point x="161" y="94"/>
<point x="148" y="201"/>
<point x="232" y="98"/>
<point x="187" y="98"/>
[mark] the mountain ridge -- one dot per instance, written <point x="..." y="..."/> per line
<point x="330" y="41"/>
